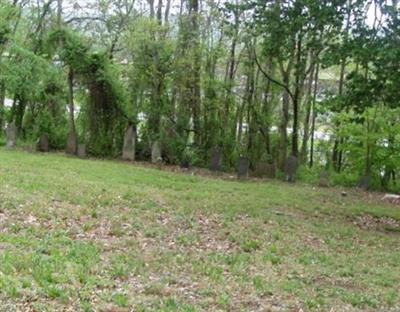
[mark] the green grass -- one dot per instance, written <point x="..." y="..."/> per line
<point x="95" y="235"/>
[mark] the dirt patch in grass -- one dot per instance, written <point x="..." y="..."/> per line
<point x="368" y="222"/>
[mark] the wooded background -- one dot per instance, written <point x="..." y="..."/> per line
<point x="263" y="79"/>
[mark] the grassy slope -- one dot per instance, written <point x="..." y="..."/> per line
<point x="108" y="236"/>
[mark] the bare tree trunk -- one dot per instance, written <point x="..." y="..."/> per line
<point x="296" y="98"/>
<point x="167" y="10"/>
<point x="152" y="11"/>
<point x="337" y="154"/>
<point x="283" y="142"/>
<point x="251" y="112"/>
<point x="195" y="92"/>
<point x="2" y="99"/>
<point x="308" y="103"/>
<point x="59" y="12"/>
<point x="159" y="11"/>
<point x="266" y="109"/>
<point x="71" y="99"/>
<point x="314" y="115"/>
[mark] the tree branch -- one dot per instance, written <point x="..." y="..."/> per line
<point x="282" y="85"/>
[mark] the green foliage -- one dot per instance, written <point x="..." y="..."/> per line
<point x="103" y="114"/>
<point x="7" y="15"/>
<point x="371" y="141"/>
<point x="237" y="75"/>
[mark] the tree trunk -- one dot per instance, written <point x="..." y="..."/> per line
<point x="337" y="154"/>
<point x="2" y="99"/>
<point x="296" y="98"/>
<point x="266" y="110"/>
<point x="195" y="100"/>
<point x="284" y="124"/>
<point x="314" y="115"/>
<point x="306" y="126"/>
<point x="19" y="114"/>
<point x="167" y="10"/>
<point x="71" y="99"/>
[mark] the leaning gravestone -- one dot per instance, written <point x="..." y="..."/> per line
<point x="43" y="143"/>
<point x="156" y="153"/>
<point x="243" y="168"/>
<point x="216" y="160"/>
<point x="364" y="182"/>
<point x="81" y="152"/>
<point x="11" y="133"/>
<point x="291" y="166"/>
<point x="323" y="179"/>
<point x="72" y="142"/>
<point x="264" y="169"/>
<point x="128" y="152"/>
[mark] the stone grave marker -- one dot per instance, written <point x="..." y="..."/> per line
<point x="81" y="152"/>
<point x="43" y="143"/>
<point x="216" y="160"/>
<point x="243" y="168"/>
<point x="185" y="164"/>
<point x="323" y="179"/>
<point x="156" y="153"/>
<point x="128" y="152"/>
<point x="264" y="169"/>
<point x="291" y="166"/>
<point x="11" y="133"/>
<point x="364" y="182"/>
<point x="72" y="142"/>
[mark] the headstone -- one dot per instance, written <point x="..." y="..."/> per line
<point x="290" y="169"/>
<point x="364" y="182"/>
<point x="243" y="168"/>
<point x="185" y="164"/>
<point x="264" y="169"/>
<point x="72" y="142"/>
<point x="43" y="143"/>
<point x="11" y="133"/>
<point x="156" y="153"/>
<point x="216" y="160"/>
<point x="323" y="179"/>
<point x="128" y="152"/>
<point x="81" y="151"/>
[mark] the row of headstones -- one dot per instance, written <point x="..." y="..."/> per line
<point x="128" y="151"/>
<point x="73" y="148"/>
<point x="43" y="144"/>
<point x="263" y="169"/>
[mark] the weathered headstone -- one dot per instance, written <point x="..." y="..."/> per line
<point x="291" y="166"/>
<point x="72" y="142"/>
<point x="156" y="153"/>
<point x="11" y="133"/>
<point x="81" y="152"/>
<point x="243" y="168"/>
<point x="364" y="182"/>
<point x="43" y="143"/>
<point x="216" y="160"/>
<point x="323" y="179"/>
<point x="128" y="152"/>
<point x="185" y="164"/>
<point x="264" y="169"/>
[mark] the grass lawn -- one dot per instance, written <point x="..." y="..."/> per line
<point x="92" y="235"/>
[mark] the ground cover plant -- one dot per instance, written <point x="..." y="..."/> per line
<point x="97" y="235"/>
